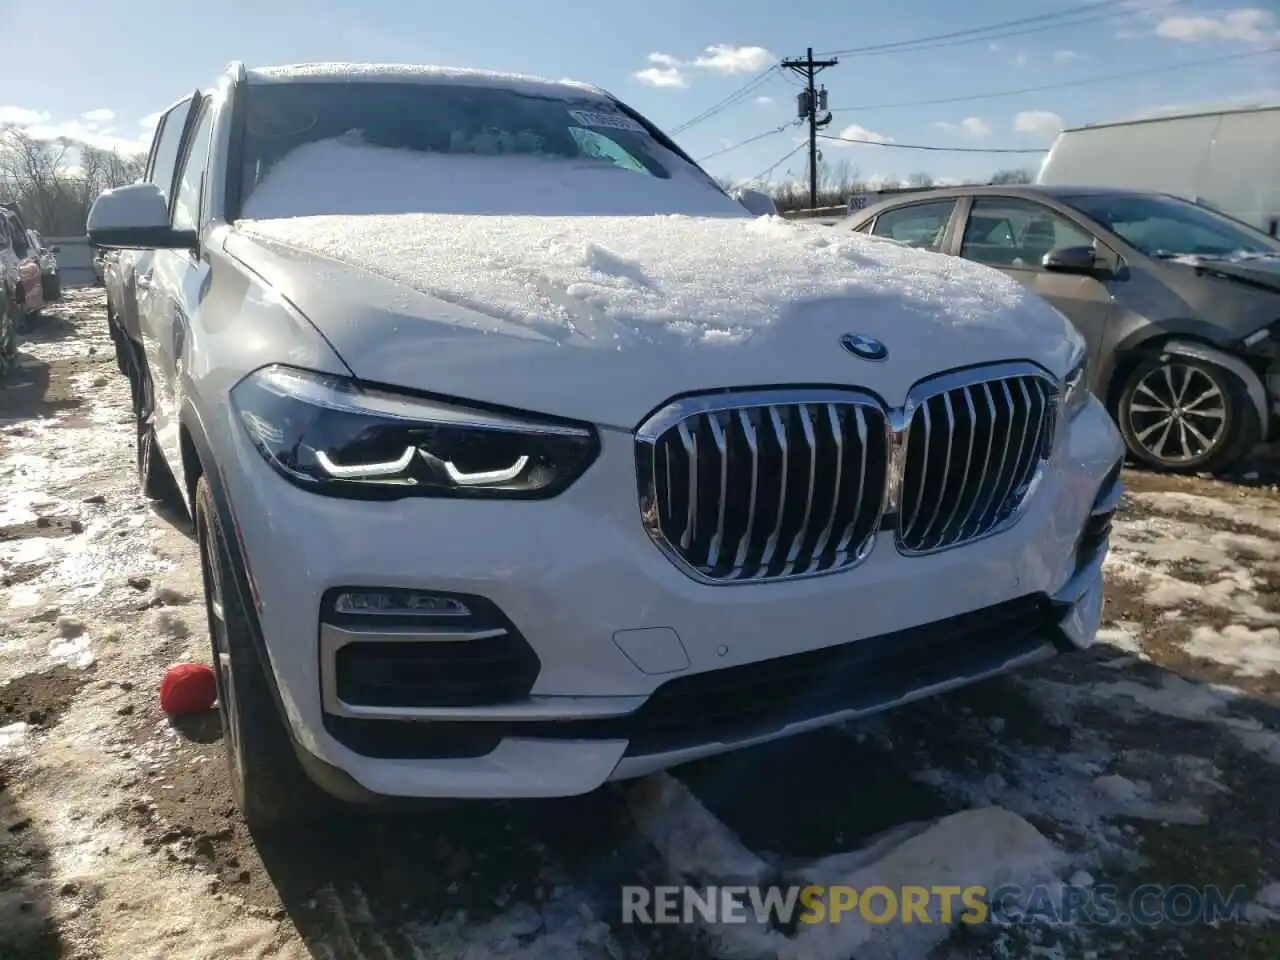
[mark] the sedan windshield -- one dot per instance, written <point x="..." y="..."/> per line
<point x="351" y="147"/>
<point x="1161" y="226"/>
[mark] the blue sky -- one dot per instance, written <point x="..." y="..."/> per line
<point x="116" y="64"/>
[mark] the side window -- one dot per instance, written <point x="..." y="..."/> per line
<point x="186" y="209"/>
<point x="165" y="159"/>
<point x="1016" y="233"/>
<point x="921" y="225"/>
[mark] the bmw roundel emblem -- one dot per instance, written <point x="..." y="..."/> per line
<point x="868" y="348"/>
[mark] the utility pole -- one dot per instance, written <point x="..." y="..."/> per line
<point x="809" y="103"/>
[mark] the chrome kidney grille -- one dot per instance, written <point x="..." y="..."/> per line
<point x="771" y="485"/>
<point x="766" y="490"/>
<point x="972" y="453"/>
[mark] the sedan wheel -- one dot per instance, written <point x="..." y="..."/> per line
<point x="1183" y="414"/>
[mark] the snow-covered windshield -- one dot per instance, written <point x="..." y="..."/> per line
<point x="318" y="148"/>
<point x="1162" y="226"/>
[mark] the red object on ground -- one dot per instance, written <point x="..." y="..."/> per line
<point x="188" y="688"/>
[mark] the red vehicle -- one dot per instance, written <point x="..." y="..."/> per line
<point x="21" y="265"/>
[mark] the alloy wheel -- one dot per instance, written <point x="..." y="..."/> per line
<point x="1178" y="413"/>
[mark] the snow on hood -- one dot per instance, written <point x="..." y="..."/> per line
<point x="648" y="306"/>
<point x="691" y="278"/>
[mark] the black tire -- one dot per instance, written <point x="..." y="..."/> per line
<point x="270" y="787"/>
<point x="155" y="479"/>
<point x="118" y="341"/>
<point x="51" y="286"/>
<point x="1212" y="423"/>
<point x="8" y="338"/>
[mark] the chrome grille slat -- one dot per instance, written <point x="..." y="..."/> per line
<point x="940" y="471"/>
<point x="806" y="426"/>
<point x="833" y="421"/>
<point x="773" y="485"/>
<point x="749" y="436"/>
<point x="717" y="539"/>
<point x="858" y="501"/>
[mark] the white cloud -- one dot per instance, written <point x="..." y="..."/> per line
<point x="664" y="73"/>
<point x="1244" y="24"/>
<point x="764" y="101"/>
<point x="994" y="47"/>
<point x="668" y="77"/>
<point x="884" y="181"/>
<point x="1021" y="59"/>
<point x="1064" y="57"/>
<point x="88" y="129"/>
<point x="664" y="60"/>
<point x="1042" y="123"/>
<point x="726" y="58"/>
<point x="974" y="127"/>
<point x="856" y="131"/>
<point x="151" y="120"/>
<point x="21" y="116"/>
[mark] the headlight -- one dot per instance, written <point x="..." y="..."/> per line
<point x="333" y="436"/>
<point x="1075" y="385"/>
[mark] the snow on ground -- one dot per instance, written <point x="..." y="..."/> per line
<point x="1155" y="758"/>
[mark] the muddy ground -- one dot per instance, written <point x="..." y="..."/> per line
<point x="1154" y="758"/>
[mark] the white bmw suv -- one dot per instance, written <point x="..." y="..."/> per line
<point x="522" y="458"/>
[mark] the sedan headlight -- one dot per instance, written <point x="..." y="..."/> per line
<point x="333" y="436"/>
<point x="1075" y="385"/>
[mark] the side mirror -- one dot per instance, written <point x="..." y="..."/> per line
<point x="756" y="201"/>
<point x="136" y="217"/>
<point x="1071" y="260"/>
<point x="55" y="249"/>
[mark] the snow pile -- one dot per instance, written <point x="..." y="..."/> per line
<point x="987" y="846"/>
<point x="406" y="72"/>
<point x="680" y="275"/>
<point x="1250" y="653"/>
<point x="348" y="176"/>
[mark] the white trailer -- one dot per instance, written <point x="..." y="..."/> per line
<point x="1225" y="156"/>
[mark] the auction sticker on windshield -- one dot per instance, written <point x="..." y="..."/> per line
<point x="601" y="118"/>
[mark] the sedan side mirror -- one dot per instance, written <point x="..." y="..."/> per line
<point x="1071" y="260"/>
<point x="136" y="217"/>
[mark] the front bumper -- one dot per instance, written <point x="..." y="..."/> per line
<point x="612" y="621"/>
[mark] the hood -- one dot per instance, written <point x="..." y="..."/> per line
<point x="605" y="318"/>
<point x="1259" y="271"/>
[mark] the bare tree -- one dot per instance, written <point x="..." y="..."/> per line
<point x="54" y="182"/>
<point x="920" y="180"/>
<point x="1012" y="176"/>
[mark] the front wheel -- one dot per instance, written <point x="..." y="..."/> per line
<point x="267" y="781"/>
<point x="1185" y="415"/>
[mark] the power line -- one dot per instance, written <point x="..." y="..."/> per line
<point x="932" y="149"/>
<point x="767" y="171"/>
<point x="1064" y="12"/>
<point x="737" y="96"/>
<point x="742" y="143"/>
<point x="1188" y="64"/>
<point x="987" y="38"/>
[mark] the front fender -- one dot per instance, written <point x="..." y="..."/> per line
<point x="1252" y="383"/>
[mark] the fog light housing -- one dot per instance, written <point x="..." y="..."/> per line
<point x="398" y="603"/>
